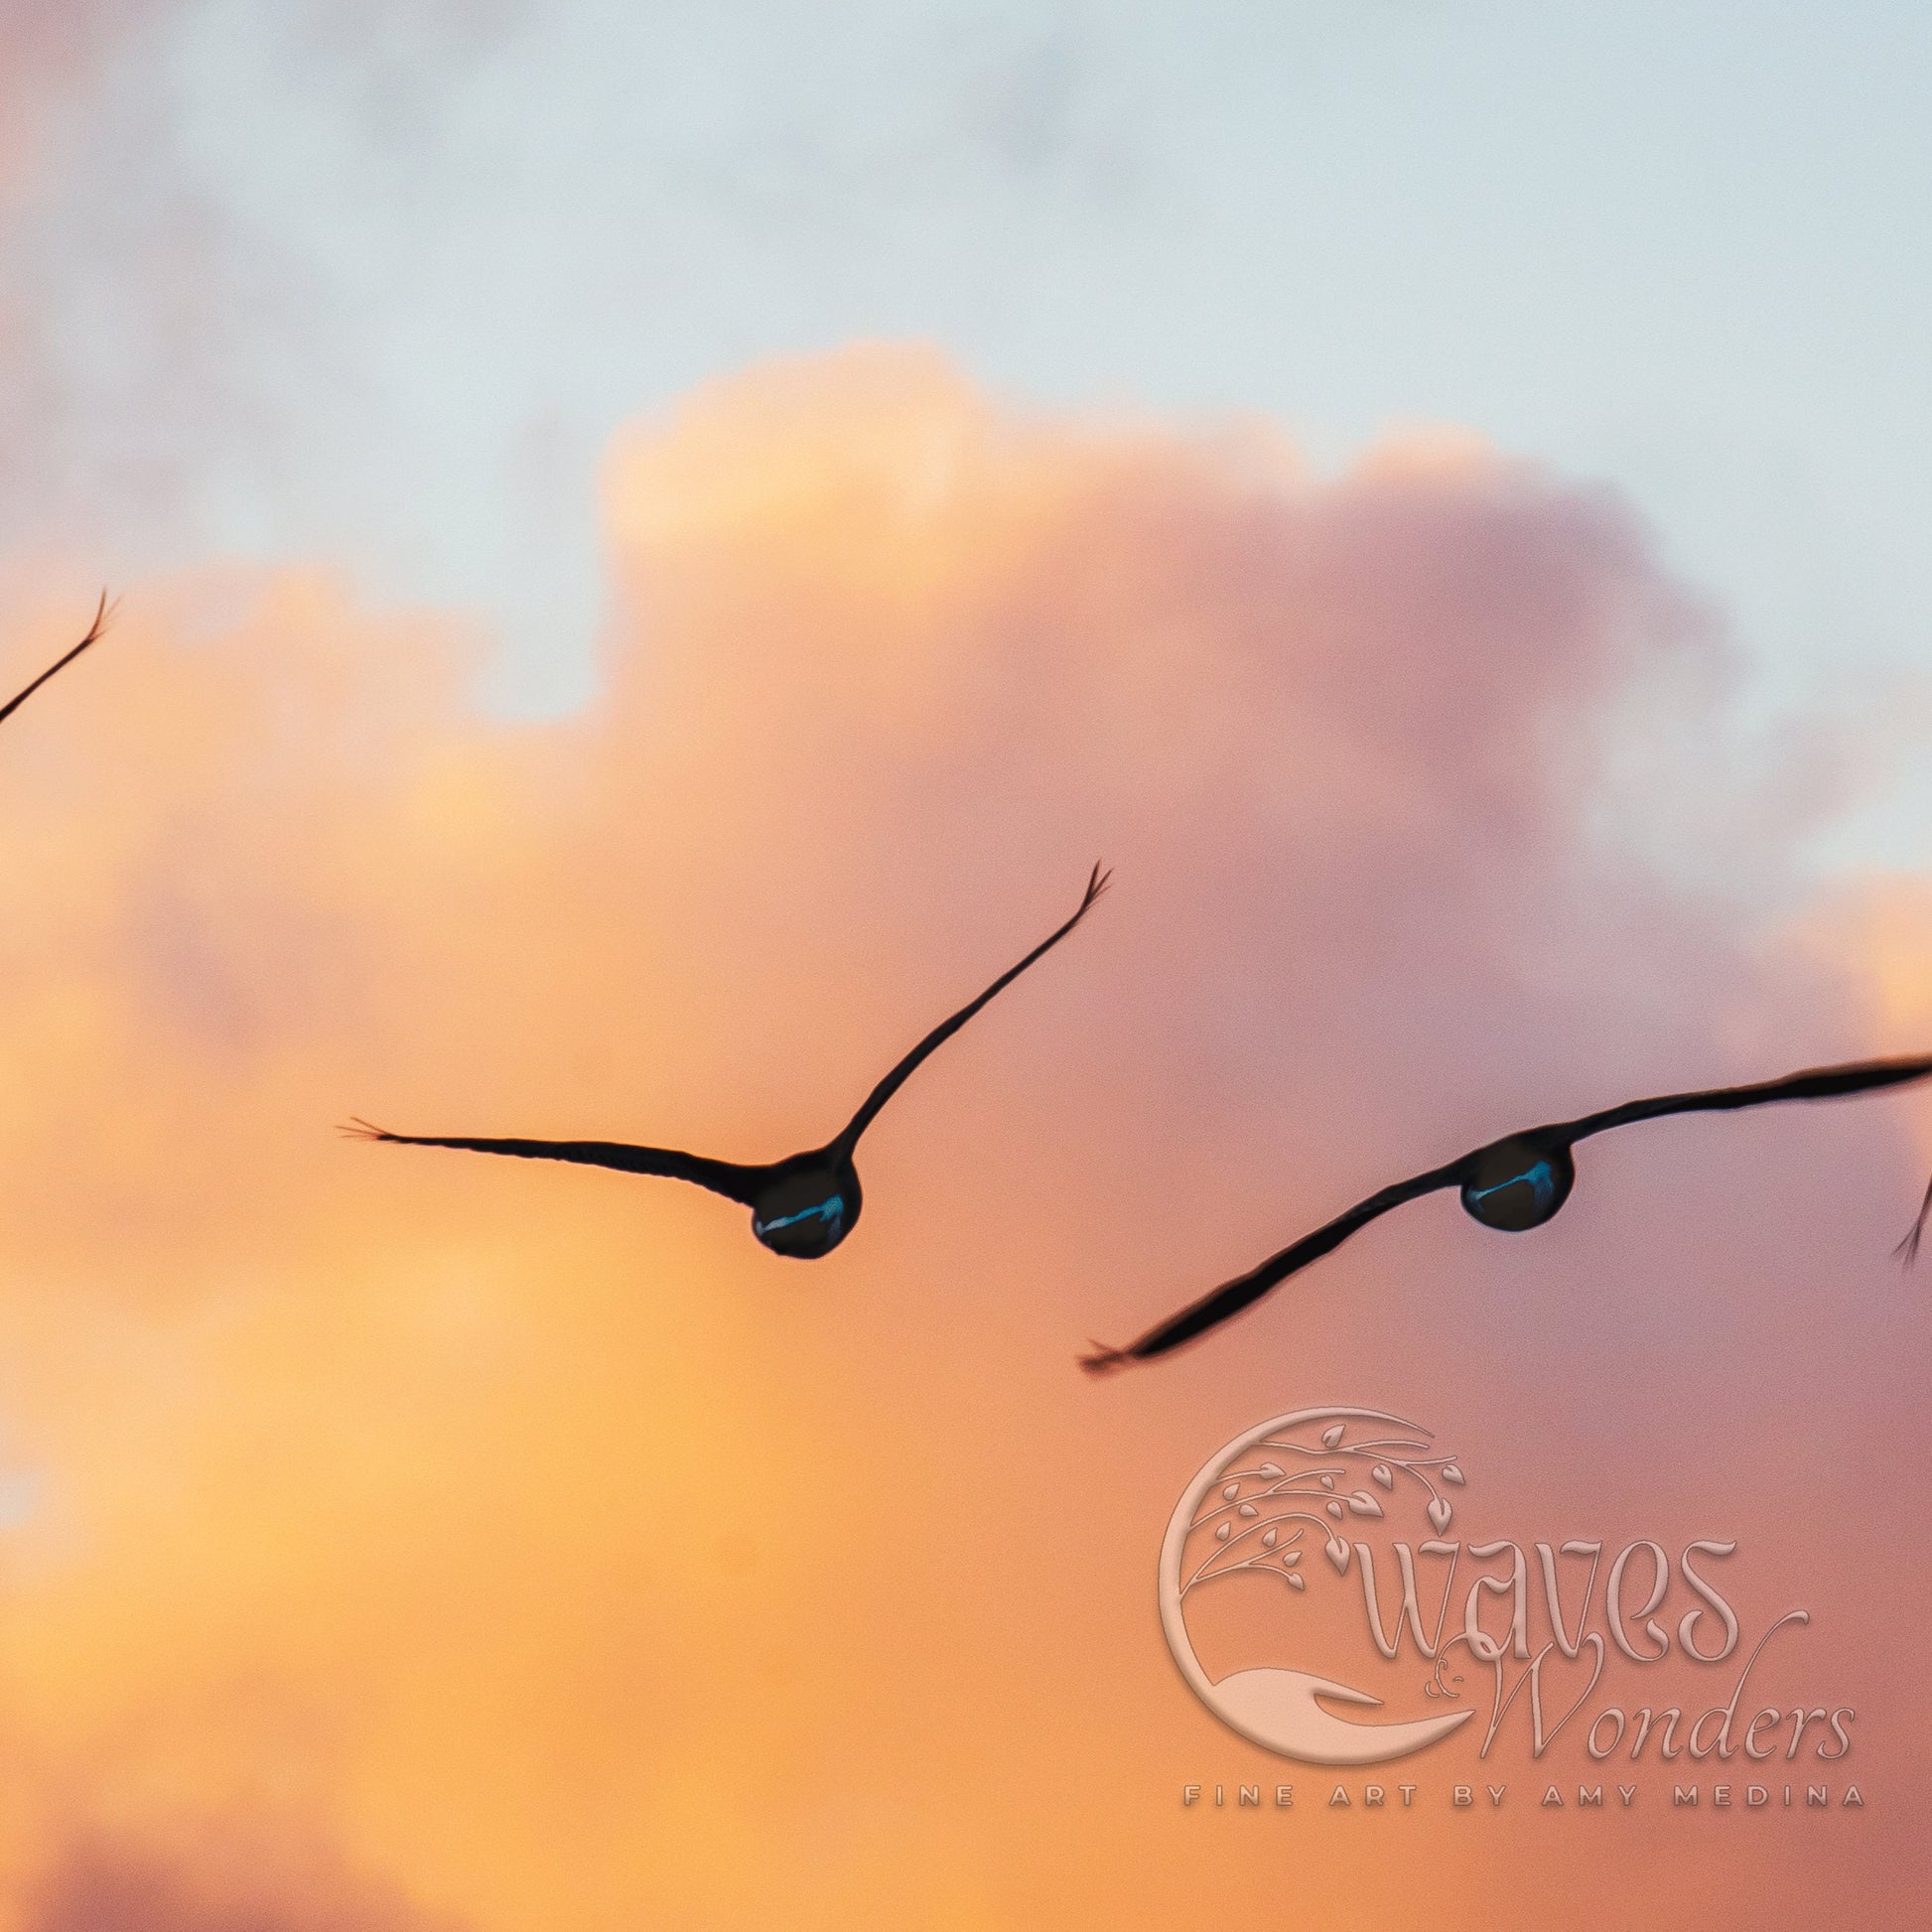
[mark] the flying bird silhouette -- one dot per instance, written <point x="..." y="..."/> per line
<point x="1514" y="1183"/>
<point x="102" y="612"/>
<point x="804" y="1205"/>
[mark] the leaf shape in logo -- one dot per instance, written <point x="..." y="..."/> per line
<point x="1334" y="1509"/>
<point x="1338" y="1553"/>
<point x="1450" y="1473"/>
<point x="1381" y="1474"/>
<point x="1363" y="1504"/>
<point x="1271" y="1468"/>
<point x="1232" y="1491"/>
<point x="1327" y="1482"/>
<point x="1222" y="1535"/>
<point x="1292" y="1557"/>
<point x="1440" y="1513"/>
<point x="1297" y="1582"/>
<point x="1248" y="1509"/>
<point x="1331" y="1437"/>
<point x="1268" y="1538"/>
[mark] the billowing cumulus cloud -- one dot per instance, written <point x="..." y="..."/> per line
<point x="552" y="1556"/>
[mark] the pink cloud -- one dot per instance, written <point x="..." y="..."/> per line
<point x="577" y="1564"/>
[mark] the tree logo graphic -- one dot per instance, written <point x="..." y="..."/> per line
<point x="1253" y="1508"/>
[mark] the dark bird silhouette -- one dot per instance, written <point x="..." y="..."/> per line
<point x="804" y="1205"/>
<point x="1514" y="1183"/>
<point x="102" y="612"/>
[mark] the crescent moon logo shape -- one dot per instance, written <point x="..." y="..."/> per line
<point x="1281" y="1710"/>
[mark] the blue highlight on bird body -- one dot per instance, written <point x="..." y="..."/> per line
<point x="1541" y="1177"/>
<point x="832" y="1213"/>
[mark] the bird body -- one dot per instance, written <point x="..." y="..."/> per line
<point x="802" y="1206"/>
<point x="1513" y="1184"/>
<point x="1518" y="1182"/>
<point x="809" y="1205"/>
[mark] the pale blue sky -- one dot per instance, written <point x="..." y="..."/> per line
<point x="376" y="284"/>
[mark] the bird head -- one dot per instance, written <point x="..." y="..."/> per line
<point x="808" y="1211"/>
<point x="1518" y="1184"/>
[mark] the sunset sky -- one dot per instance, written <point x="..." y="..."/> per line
<point x="657" y="547"/>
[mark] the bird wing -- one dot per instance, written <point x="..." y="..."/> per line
<point x="727" y="1177"/>
<point x="1814" y="1083"/>
<point x="1232" y="1297"/>
<point x="1907" y="1250"/>
<point x="890" y="1084"/>
<point x="94" y="630"/>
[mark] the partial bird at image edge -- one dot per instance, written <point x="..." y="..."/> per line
<point x="103" y="615"/>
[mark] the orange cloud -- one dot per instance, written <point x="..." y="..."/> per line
<point x="505" y="1546"/>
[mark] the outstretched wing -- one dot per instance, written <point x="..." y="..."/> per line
<point x="1815" y="1083"/>
<point x="101" y="615"/>
<point x="1907" y="1250"/>
<point x="890" y="1084"/>
<point x="1232" y="1297"/>
<point x="726" y="1178"/>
